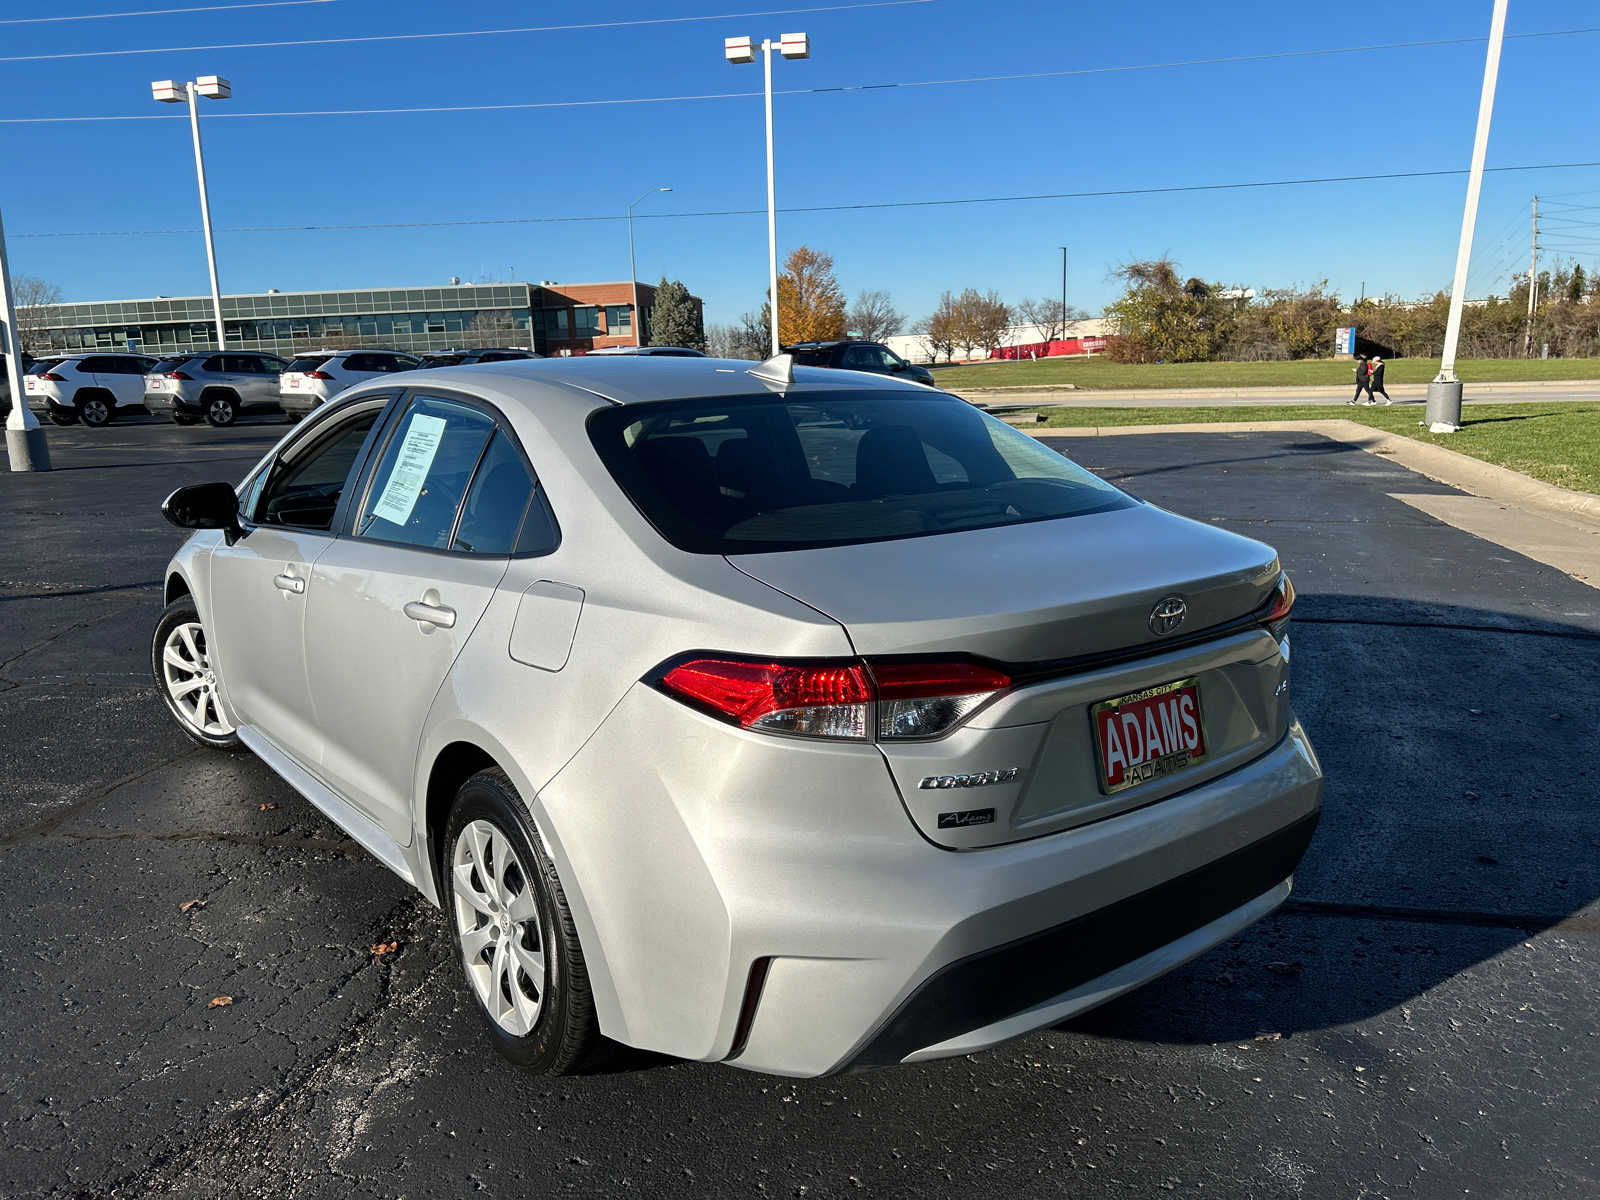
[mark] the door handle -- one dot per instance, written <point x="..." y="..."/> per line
<point x="431" y="614"/>
<point x="289" y="583"/>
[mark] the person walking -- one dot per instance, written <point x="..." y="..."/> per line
<point x="1375" y="381"/>
<point x="1363" y="382"/>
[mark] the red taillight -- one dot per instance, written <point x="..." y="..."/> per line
<point x="1277" y="619"/>
<point x="317" y="375"/>
<point x="178" y="375"/>
<point x="839" y="700"/>
<point x="819" y="701"/>
<point x="53" y="377"/>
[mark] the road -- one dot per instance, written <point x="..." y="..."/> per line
<point x="1417" y="1021"/>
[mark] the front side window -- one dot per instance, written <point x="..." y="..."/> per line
<point x="417" y="489"/>
<point x="757" y="474"/>
<point x="303" y="488"/>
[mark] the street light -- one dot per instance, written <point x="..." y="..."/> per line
<point x="743" y="50"/>
<point x="633" y="271"/>
<point x="1443" y="411"/>
<point x="212" y="87"/>
<point x="25" y="442"/>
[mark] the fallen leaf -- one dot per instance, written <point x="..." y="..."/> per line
<point x="1555" y="716"/>
<point x="1286" y="968"/>
<point x="188" y="904"/>
<point x="220" y="1002"/>
<point x="1269" y="1037"/>
<point x="1487" y="861"/>
<point x="264" y="807"/>
<point x="382" y="948"/>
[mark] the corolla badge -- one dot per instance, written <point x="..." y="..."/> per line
<point x="1167" y="615"/>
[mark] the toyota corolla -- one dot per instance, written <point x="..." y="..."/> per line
<point x="795" y="719"/>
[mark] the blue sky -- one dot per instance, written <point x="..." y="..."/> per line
<point x="1372" y="112"/>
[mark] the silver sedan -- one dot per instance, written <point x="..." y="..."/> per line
<point x="796" y="719"/>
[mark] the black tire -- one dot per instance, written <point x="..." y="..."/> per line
<point x="291" y="418"/>
<point x="95" y="408"/>
<point x="61" y="418"/>
<point x="184" y="418"/>
<point x="221" y="408"/>
<point x="564" y="1037"/>
<point x="177" y="615"/>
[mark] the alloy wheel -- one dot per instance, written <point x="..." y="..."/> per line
<point x="95" y="412"/>
<point x="220" y="412"/>
<point x="497" y="921"/>
<point x="190" y="682"/>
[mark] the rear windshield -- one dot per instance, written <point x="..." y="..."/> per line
<point x="757" y="474"/>
<point x="43" y="367"/>
<point x="167" y="365"/>
<point x="310" y="362"/>
<point x="443" y="360"/>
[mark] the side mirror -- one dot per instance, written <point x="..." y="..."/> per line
<point x="897" y="368"/>
<point x="205" y="506"/>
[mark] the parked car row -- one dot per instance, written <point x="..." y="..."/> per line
<point x="216" y="388"/>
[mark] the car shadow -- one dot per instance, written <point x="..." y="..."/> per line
<point x="1461" y="816"/>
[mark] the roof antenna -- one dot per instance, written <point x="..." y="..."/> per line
<point x="779" y="369"/>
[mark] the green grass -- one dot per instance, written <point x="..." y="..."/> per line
<point x="1558" y="442"/>
<point x="1099" y="373"/>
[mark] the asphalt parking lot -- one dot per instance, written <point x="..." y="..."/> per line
<point x="1418" y="1020"/>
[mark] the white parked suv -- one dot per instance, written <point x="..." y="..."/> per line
<point x="314" y="379"/>
<point x="212" y="387"/>
<point x="91" y="388"/>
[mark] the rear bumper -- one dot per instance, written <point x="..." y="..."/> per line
<point x="298" y="402"/>
<point x="768" y="902"/>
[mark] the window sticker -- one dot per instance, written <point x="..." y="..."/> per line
<point x="411" y="467"/>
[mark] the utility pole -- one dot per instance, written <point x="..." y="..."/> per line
<point x="1533" y="283"/>
<point x="1443" y="412"/>
<point x="213" y="87"/>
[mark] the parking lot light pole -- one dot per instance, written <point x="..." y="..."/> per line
<point x="633" y="271"/>
<point x="213" y="87"/>
<point x="743" y="50"/>
<point x="1443" y="412"/>
<point x="25" y="443"/>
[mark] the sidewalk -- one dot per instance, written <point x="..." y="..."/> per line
<point x="1496" y="393"/>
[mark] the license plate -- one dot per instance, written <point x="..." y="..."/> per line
<point x="155" y="385"/>
<point x="294" y="383"/>
<point x="1148" y="735"/>
<point x="29" y="385"/>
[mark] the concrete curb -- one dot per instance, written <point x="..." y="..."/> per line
<point x="1449" y="467"/>
<point x="1267" y="395"/>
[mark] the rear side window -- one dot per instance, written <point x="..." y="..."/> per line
<point x="759" y="474"/>
<point x="309" y="362"/>
<point x="214" y="363"/>
<point x="812" y="358"/>
<point x="417" y="489"/>
<point x="495" y="504"/>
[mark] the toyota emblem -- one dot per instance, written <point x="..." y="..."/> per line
<point x="1167" y="615"/>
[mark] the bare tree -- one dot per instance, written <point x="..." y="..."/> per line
<point x="720" y="340"/>
<point x="492" y="328"/>
<point x="1050" y="315"/>
<point x="981" y="319"/>
<point x="38" y="309"/>
<point x="752" y="337"/>
<point x="875" y="315"/>
<point x="939" y="330"/>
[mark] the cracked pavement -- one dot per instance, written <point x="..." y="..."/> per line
<point x="1418" y="1020"/>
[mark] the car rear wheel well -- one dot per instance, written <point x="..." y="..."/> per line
<point x="457" y="763"/>
<point x="219" y="393"/>
<point x="176" y="586"/>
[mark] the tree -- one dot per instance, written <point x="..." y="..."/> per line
<point x="495" y="328"/>
<point x="981" y="319"/>
<point x="810" y="301"/>
<point x="38" y="307"/>
<point x="875" y="317"/>
<point x="674" y="320"/>
<point x="1160" y="319"/>
<point x="1577" y="286"/>
<point x="1050" y="315"/>
<point x="938" y="330"/>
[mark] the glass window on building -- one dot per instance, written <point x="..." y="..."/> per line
<point x="587" y="318"/>
<point x="619" y="320"/>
